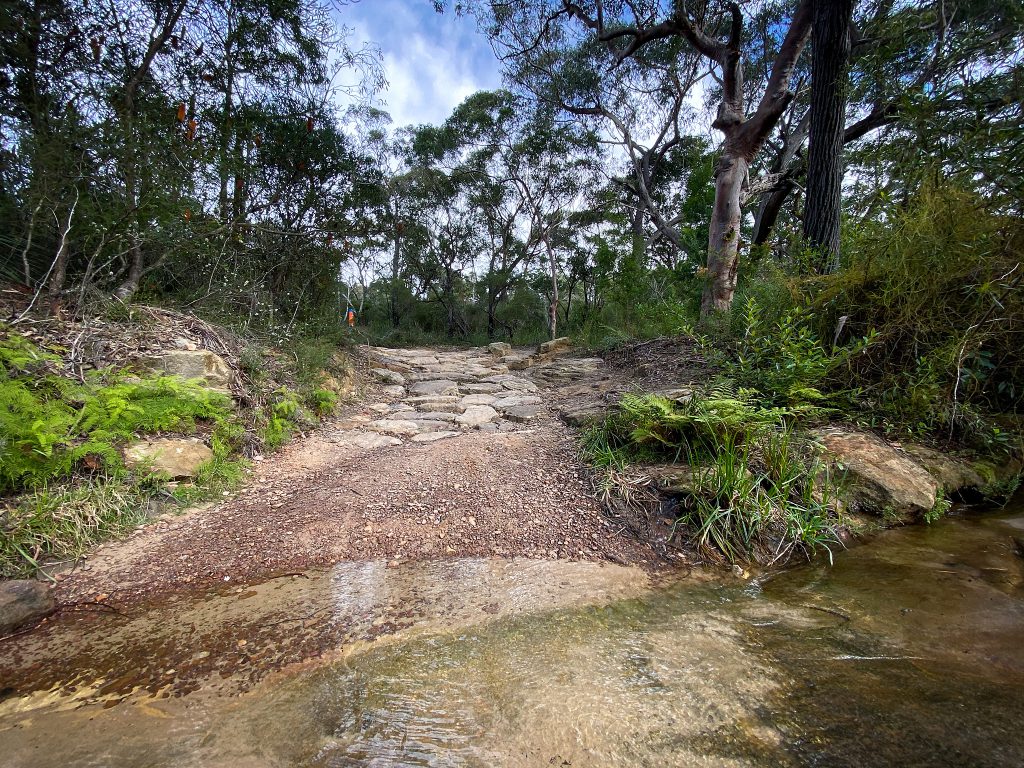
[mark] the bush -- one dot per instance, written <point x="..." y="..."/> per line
<point x="755" y="494"/>
<point x="52" y="426"/>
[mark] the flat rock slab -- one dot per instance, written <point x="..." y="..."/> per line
<point x="515" y="401"/>
<point x="432" y="416"/>
<point x="476" y="415"/>
<point x="388" y="377"/>
<point x="174" y="457"/>
<point x="435" y="387"/>
<point x="523" y="413"/>
<point x="480" y="399"/>
<point x="430" y="437"/>
<point x="394" y="427"/>
<point x="431" y="426"/>
<point x="393" y="390"/>
<point x="366" y="440"/>
<point x="481" y="389"/>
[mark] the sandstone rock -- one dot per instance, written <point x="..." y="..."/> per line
<point x="193" y="364"/>
<point x="429" y="437"/>
<point x="23" y="601"/>
<point x="388" y="376"/>
<point x="554" y="346"/>
<point x="475" y="415"/>
<point x="523" y="413"/>
<point x="880" y="479"/>
<point x="435" y="387"/>
<point x="380" y="407"/>
<point x="582" y="414"/>
<point x="421" y="400"/>
<point x="393" y="391"/>
<point x="481" y="389"/>
<point x="952" y="473"/>
<point x="427" y="425"/>
<point x="432" y="416"/>
<point x="176" y="457"/>
<point x="481" y="399"/>
<point x="394" y="427"/>
<point x="487" y="427"/>
<point x="520" y="362"/>
<point x="515" y="401"/>
<point x="423" y="360"/>
<point x="499" y="348"/>
<point x="366" y="440"/>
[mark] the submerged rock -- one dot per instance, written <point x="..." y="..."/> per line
<point x="23" y="601"/>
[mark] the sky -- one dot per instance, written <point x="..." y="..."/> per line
<point x="432" y="61"/>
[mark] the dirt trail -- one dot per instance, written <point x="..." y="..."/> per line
<point x="449" y="455"/>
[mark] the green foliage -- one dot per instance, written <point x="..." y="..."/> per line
<point x="51" y="425"/>
<point x="755" y="494"/>
<point x="652" y="427"/>
<point x="762" y="500"/>
<point x="940" y="509"/>
<point x="64" y="521"/>
<point x="785" y="360"/>
<point x="323" y="402"/>
<point x="283" y="416"/>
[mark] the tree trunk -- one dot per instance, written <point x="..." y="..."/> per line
<point x="131" y="283"/>
<point x="831" y="43"/>
<point x="724" y="237"/>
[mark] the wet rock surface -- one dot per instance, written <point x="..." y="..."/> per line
<point x="22" y="602"/>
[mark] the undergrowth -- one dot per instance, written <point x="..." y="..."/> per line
<point x="63" y="479"/>
<point x="757" y="493"/>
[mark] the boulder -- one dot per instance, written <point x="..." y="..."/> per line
<point x="952" y="473"/>
<point x="388" y="376"/>
<point x="193" y="364"/>
<point x="435" y="387"/>
<point x="475" y="415"/>
<point x="176" y="457"/>
<point x="499" y="348"/>
<point x="879" y="479"/>
<point x="21" y="602"/>
<point x="554" y="346"/>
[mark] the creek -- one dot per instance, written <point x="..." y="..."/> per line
<point x="908" y="650"/>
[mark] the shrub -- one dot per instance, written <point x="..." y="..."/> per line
<point x="51" y="426"/>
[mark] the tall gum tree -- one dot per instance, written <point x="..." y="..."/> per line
<point x="627" y="26"/>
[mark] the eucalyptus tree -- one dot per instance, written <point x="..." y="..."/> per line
<point x="716" y="34"/>
<point x="929" y="82"/>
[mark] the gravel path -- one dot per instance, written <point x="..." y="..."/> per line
<point x="451" y="455"/>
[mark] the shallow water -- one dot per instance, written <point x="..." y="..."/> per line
<point x="908" y="651"/>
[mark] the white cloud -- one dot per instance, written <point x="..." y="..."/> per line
<point x="432" y="62"/>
